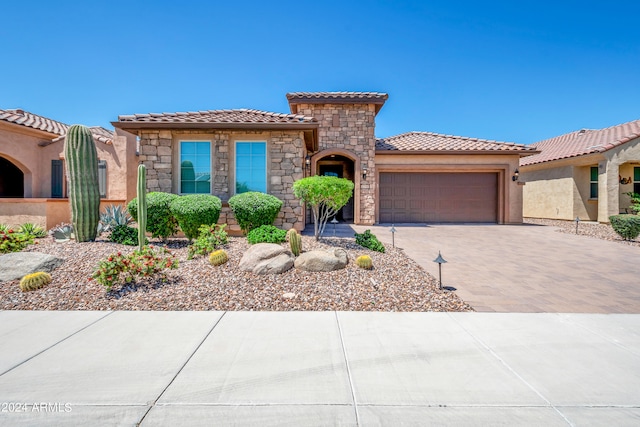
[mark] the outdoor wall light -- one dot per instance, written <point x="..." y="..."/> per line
<point x="364" y="172"/>
<point x="516" y="175"/>
<point x="307" y="161"/>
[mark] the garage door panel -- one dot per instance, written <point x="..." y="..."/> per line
<point x="438" y="197"/>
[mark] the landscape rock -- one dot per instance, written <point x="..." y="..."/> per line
<point x="320" y="260"/>
<point x="15" y="265"/>
<point x="266" y="258"/>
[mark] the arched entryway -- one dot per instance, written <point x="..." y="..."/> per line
<point x="11" y="180"/>
<point x="342" y="164"/>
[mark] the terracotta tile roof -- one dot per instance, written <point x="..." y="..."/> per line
<point x="581" y="142"/>
<point x="34" y="121"/>
<point x="429" y="141"/>
<point x="335" y="96"/>
<point x="238" y="116"/>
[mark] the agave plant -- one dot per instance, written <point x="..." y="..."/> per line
<point x="4" y="227"/>
<point x="33" y="229"/>
<point x="113" y="215"/>
<point x="62" y="233"/>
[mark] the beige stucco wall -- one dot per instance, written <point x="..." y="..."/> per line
<point x="44" y="212"/>
<point x="509" y="192"/>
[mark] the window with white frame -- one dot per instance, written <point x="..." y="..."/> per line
<point x="593" y="180"/>
<point x="251" y="166"/>
<point x="195" y="167"/>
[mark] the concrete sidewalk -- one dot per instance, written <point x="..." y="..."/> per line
<point x="318" y="368"/>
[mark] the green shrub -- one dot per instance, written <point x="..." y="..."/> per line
<point x="119" y="268"/>
<point x="13" y="241"/>
<point x="160" y="220"/>
<point x="125" y="235"/>
<point x="33" y="230"/>
<point x="370" y="241"/>
<point x="635" y="202"/>
<point x="210" y="237"/>
<point x="254" y="209"/>
<point x="266" y="234"/>
<point x="627" y="226"/>
<point x="194" y="210"/>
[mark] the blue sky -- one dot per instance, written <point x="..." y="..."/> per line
<point x="518" y="71"/>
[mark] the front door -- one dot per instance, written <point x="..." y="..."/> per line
<point x="338" y="170"/>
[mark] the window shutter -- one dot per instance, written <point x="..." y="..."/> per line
<point x="56" y="179"/>
<point x="102" y="178"/>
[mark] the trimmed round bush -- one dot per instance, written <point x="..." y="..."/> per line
<point x="266" y="234"/>
<point x="160" y="221"/>
<point x="627" y="226"/>
<point x="254" y="209"/>
<point x="194" y="210"/>
<point x="125" y="235"/>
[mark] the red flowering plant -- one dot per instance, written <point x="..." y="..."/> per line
<point x="13" y="241"/>
<point x="119" y="268"/>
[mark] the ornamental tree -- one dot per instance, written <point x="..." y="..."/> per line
<point x="324" y="195"/>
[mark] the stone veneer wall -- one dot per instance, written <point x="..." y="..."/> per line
<point x="350" y="127"/>
<point x="284" y="166"/>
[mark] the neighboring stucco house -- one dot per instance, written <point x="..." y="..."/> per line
<point x="415" y="177"/>
<point x="33" y="187"/>
<point x="583" y="174"/>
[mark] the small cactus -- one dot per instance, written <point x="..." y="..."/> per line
<point x="295" y="241"/>
<point x="34" y="281"/>
<point x="364" y="261"/>
<point x="142" y="205"/>
<point x="218" y="257"/>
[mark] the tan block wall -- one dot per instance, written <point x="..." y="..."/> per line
<point x="159" y="151"/>
<point x="46" y="213"/>
<point x="350" y="127"/>
<point x="510" y="192"/>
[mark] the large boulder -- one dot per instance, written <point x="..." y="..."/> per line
<point x="15" y="265"/>
<point x="266" y="258"/>
<point x="322" y="260"/>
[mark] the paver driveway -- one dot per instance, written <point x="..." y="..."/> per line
<point x="525" y="268"/>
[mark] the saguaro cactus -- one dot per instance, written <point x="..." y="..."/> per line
<point x="142" y="205"/>
<point x="82" y="172"/>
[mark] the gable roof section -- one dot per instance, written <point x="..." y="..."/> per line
<point x="583" y="142"/>
<point x="34" y="121"/>
<point x="376" y="98"/>
<point x="435" y="142"/>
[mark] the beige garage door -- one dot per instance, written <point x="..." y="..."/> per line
<point x="438" y="197"/>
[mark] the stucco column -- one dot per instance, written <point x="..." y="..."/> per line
<point x="608" y="203"/>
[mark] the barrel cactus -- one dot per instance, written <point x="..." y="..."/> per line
<point x="364" y="261"/>
<point x="218" y="257"/>
<point x="295" y="241"/>
<point x="82" y="172"/>
<point x="34" y="281"/>
<point x="142" y="205"/>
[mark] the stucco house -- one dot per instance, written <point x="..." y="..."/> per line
<point x="583" y="174"/>
<point x="413" y="177"/>
<point x="33" y="187"/>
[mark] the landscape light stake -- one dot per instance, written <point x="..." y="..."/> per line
<point x="577" y="220"/>
<point x="334" y="221"/>
<point x="440" y="261"/>
<point x="393" y="236"/>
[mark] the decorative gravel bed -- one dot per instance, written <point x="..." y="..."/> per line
<point x="591" y="229"/>
<point x="396" y="283"/>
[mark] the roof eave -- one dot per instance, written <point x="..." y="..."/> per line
<point x="133" y="126"/>
<point x="521" y="153"/>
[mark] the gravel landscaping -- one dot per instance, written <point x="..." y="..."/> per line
<point x="591" y="229"/>
<point x="396" y="283"/>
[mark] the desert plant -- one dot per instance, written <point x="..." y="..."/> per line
<point x="364" y="261"/>
<point x="324" y="195"/>
<point x="62" y="233"/>
<point x="34" y="281"/>
<point x="635" y="202"/>
<point x="194" y="210"/>
<point x="114" y="215"/>
<point x="33" y="229"/>
<point x="4" y="227"/>
<point x="295" y="241"/>
<point x="142" y="205"/>
<point x="218" y="257"/>
<point x="81" y="159"/>
<point x="627" y="226"/>
<point x="125" y="235"/>
<point x="160" y="221"/>
<point x="210" y="237"/>
<point x="266" y="234"/>
<point x="119" y="268"/>
<point x="253" y="209"/>
<point x="370" y="241"/>
<point x="13" y="241"/>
